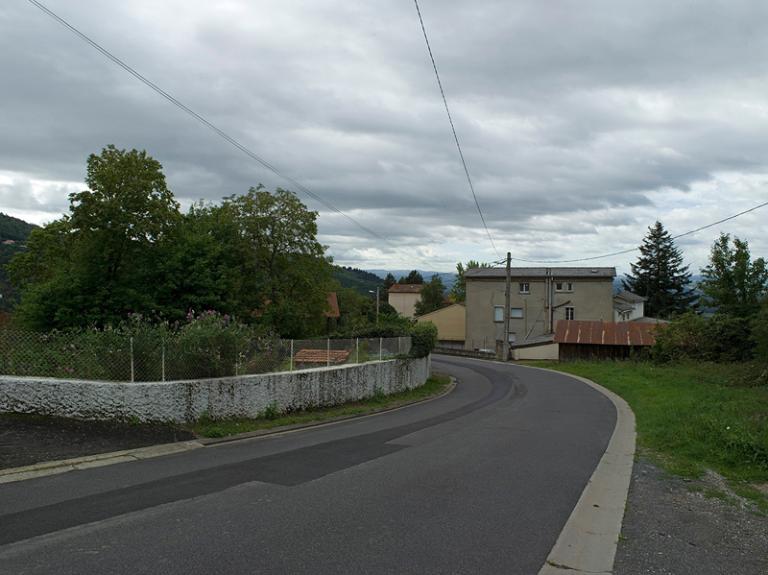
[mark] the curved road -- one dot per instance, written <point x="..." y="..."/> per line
<point x="479" y="481"/>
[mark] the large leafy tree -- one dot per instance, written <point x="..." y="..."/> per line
<point x="459" y="289"/>
<point x="432" y="296"/>
<point x="99" y="262"/>
<point x="291" y="276"/>
<point x="733" y="283"/>
<point x="125" y="248"/>
<point x="660" y="276"/>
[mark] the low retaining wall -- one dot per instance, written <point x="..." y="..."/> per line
<point x="179" y="401"/>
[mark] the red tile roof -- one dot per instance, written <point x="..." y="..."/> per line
<point x="406" y="288"/>
<point x="333" y="305"/>
<point x="604" y="333"/>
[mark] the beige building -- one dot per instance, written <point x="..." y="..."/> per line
<point x="450" y="322"/>
<point x="404" y="297"/>
<point x="539" y="298"/>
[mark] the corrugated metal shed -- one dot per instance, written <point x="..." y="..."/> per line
<point x="561" y="273"/>
<point x="604" y="333"/>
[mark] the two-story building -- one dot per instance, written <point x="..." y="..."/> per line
<point x="404" y="297"/>
<point x="539" y="297"/>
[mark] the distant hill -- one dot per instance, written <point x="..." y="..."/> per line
<point x="449" y="278"/>
<point x="13" y="236"/>
<point x="359" y="280"/>
<point x="14" y="229"/>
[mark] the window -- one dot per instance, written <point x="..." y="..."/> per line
<point x="514" y="313"/>
<point x="564" y="286"/>
<point x="525" y="287"/>
<point x="570" y="313"/>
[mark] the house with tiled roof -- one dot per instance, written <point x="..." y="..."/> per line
<point x="404" y="297"/>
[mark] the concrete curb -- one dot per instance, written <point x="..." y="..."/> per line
<point x="46" y="468"/>
<point x="63" y="465"/>
<point x="588" y="541"/>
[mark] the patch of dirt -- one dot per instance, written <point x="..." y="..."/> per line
<point x="671" y="527"/>
<point x="26" y="439"/>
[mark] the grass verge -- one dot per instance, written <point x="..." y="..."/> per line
<point x="692" y="417"/>
<point x="206" y="427"/>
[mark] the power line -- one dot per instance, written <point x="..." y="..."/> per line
<point x="630" y="250"/>
<point x="203" y="120"/>
<point x="453" y="129"/>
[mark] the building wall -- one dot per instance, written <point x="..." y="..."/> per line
<point x="591" y="298"/>
<point x="404" y="303"/>
<point x="179" y="401"/>
<point x="450" y="322"/>
<point x="544" y="351"/>
<point x="638" y="311"/>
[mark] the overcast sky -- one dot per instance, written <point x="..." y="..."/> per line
<point x="581" y="122"/>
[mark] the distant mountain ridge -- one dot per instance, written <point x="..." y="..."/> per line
<point x="357" y="279"/>
<point x="449" y="278"/>
<point x="13" y="237"/>
<point x="14" y="229"/>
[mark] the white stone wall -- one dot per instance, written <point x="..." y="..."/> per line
<point x="179" y="401"/>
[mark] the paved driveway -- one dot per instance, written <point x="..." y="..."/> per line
<point x="480" y="481"/>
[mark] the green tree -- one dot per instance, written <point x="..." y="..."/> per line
<point x="432" y="296"/>
<point x="291" y="275"/>
<point x="98" y="263"/>
<point x="660" y="276"/>
<point x="414" y="277"/>
<point x="459" y="289"/>
<point x="733" y="283"/>
<point x="760" y="333"/>
<point x="389" y="281"/>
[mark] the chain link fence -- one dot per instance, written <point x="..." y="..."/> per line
<point x="115" y="356"/>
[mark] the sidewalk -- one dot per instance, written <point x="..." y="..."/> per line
<point x="27" y="439"/>
<point x="677" y="527"/>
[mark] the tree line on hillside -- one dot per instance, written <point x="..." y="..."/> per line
<point x="125" y="249"/>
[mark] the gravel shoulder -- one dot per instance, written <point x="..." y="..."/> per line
<point x="26" y="439"/>
<point x="678" y="527"/>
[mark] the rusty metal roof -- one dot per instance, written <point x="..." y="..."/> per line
<point x="405" y="288"/>
<point x="604" y="333"/>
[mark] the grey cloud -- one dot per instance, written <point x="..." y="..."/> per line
<point x="581" y="112"/>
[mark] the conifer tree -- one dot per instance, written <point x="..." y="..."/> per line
<point x="660" y="276"/>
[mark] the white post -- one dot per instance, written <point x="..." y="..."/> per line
<point x="291" y="368"/>
<point x="163" y="357"/>
<point x="399" y="346"/>
<point x="381" y="341"/>
<point x="133" y="368"/>
<point x="328" y="352"/>
<point x="357" y="350"/>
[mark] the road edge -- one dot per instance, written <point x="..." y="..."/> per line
<point x="587" y="544"/>
<point x="46" y="468"/>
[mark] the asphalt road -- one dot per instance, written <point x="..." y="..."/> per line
<point x="479" y="481"/>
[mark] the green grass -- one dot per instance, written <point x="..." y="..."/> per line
<point x="692" y="417"/>
<point x="207" y="427"/>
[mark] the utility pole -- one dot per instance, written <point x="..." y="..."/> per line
<point x="378" y="288"/>
<point x="507" y="302"/>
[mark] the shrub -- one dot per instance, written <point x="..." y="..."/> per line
<point x="721" y="338"/>
<point x="423" y="339"/>
<point x="760" y="334"/>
